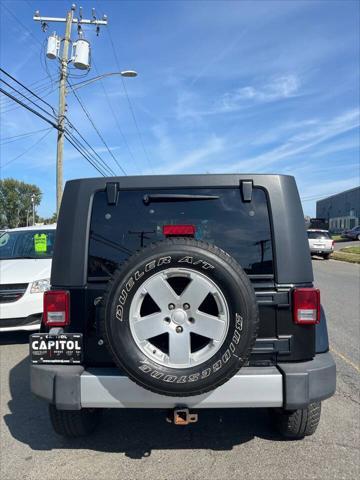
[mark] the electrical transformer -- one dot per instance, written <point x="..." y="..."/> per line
<point x="81" y="54"/>
<point x="53" y="47"/>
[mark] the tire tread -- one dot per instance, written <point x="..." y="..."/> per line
<point x="300" y="423"/>
<point x="74" y="423"/>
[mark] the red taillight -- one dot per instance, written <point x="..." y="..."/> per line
<point x="306" y="306"/>
<point x="56" y="308"/>
<point x="179" y="230"/>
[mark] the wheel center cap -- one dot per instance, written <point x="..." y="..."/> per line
<point x="179" y="316"/>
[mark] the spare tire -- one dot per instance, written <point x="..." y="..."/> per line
<point x="180" y="317"/>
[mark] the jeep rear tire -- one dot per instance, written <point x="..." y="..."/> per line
<point x="74" y="423"/>
<point x="180" y="317"/>
<point x="297" y="424"/>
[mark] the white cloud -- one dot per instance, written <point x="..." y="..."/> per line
<point x="336" y="147"/>
<point x="301" y="142"/>
<point x="213" y="146"/>
<point x="218" y="57"/>
<point x="279" y="88"/>
<point x="280" y="131"/>
<point x="174" y="162"/>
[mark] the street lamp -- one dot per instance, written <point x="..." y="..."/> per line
<point x="124" y="73"/>
<point x="33" y="196"/>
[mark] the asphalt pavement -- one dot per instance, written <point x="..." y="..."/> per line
<point x="340" y="245"/>
<point x="224" y="444"/>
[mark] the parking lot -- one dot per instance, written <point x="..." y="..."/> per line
<point x="228" y="444"/>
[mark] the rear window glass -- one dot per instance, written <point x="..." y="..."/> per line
<point x="319" y="235"/>
<point x="240" y="228"/>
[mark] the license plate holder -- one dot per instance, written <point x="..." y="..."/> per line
<point x="64" y="348"/>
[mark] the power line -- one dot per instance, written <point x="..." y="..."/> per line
<point x="24" y="27"/>
<point x="28" y="149"/>
<point x="49" y="90"/>
<point x="20" y="23"/>
<point x="4" y="92"/>
<point x="71" y="141"/>
<point x="104" y="166"/>
<point x="99" y="159"/>
<point x="312" y="197"/>
<point x="96" y="129"/>
<point x="117" y="123"/>
<point x="27" y="89"/>
<point x="68" y="135"/>
<point x="317" y="197"/>
<point x="137" y="125"/>
<point x="43" y="89"/>
<point x="26" y="98"/>
<point x="129" y="101"/>
<point x="40" y="85"/>
<point x="26" y="1"/>
<point x="98" y="164"/>
<point x="14" y="138"/>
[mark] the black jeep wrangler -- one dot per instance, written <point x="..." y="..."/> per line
<point x="182" y="293"/>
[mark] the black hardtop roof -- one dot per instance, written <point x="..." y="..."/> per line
<point x="201" y="179"/>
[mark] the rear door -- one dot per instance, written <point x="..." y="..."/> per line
<point x="221" y="217"/>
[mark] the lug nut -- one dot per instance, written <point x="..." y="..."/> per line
<point x="179" y="329"/>
<point x="186" y="306"/>
<point x="192" y="320"/>
<point x="171" y="306"/>
<point x="167" y="319"/>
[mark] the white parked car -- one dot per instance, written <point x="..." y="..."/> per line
<point x="25" y="265"/>
<point x="320" y="243"/>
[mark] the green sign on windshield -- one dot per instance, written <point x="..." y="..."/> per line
<point x="40" y="242"/>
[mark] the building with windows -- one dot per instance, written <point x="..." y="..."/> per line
<point x="341" y="211"/>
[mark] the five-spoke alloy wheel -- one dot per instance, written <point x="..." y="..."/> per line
<point x="199" y="309"/>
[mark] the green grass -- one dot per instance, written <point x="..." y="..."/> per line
<point x="337" y="238"/>
<point x="355" y="250"/>
<point x="347" y="254"/>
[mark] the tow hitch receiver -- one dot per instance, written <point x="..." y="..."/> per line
<point x="182" y="416"/>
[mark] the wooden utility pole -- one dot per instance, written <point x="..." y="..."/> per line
<point x="64" y="62"/>
<point x="62" y="110"/>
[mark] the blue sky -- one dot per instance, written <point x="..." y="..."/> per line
<point x="223" y="86"/>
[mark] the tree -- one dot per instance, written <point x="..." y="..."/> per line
<point x="52" y="219"/>
<point x="47" y="220"/>
<point x="15" y="202"/>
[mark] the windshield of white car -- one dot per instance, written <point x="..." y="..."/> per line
<point x="27" y="244"/>
<point x="319" y="235"/>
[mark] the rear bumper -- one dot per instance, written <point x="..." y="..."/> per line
<point x="321" y="250"/>
<point x="287" y="385"/>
